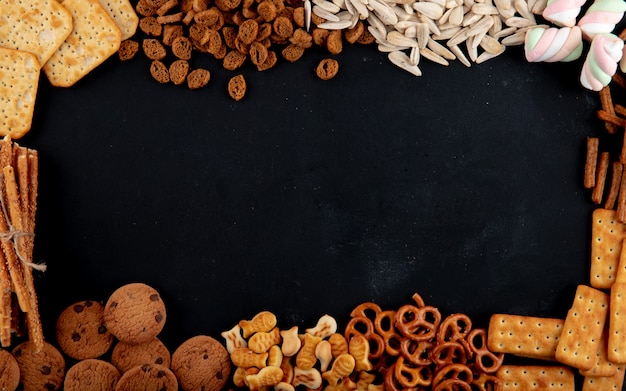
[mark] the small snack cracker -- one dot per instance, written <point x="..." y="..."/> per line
<point x="606" y="246"/>
<point x="583" y="328"/>
<point x="35" y="26"/>
<point x="536" y="377"/>
<point x="95" y="38"/>
<point x="605" y="383"/>
<point x="19" y="80"/>
<point x="123" y="13"/>
<point x="602" y="366"/>
<point x="617" y="324"/>
<point x="524" y="335"/>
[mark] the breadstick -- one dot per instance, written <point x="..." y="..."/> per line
<point x="616" y="180"/>
<point x="607" y="105"/>
<point x="591" y="162"/>
<point x="603" y="167"/>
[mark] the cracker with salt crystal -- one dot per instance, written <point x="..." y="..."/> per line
<point x="526" y="336"/>
<point x="583" y="327"/>
<point x="19" y="80"/>
<point x="123" y="13"/>
<point x="95" y="38"/>
<point x="536" y="377"/>
<point x="35" y="26"/>
<point x="605" y="383"/>
<point x="606" y="246"/>
<point x="617" y="324"/>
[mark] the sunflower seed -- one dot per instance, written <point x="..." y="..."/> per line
<point x="398" y="39"/>
<point x="518" y="21"/>
<point x="414" y="56"/>
<point x="472" y="51"/>
<point x="521" y="6"/>
<point x="459" y="37"/>
<point x="423" y="34"/>
<point x="401" y="60"/>
<point x="456" y="15"/>
<point x="484" y="9"/>
<point x="484" y="56"/>
<point x="380" y="38"/>
<point x="384" y="12"/>
<point x="336" y="25"/>
<point x="360" y="8"/>
<point x="441" y="50"/>
<point x="434" y="57"/>
<point x="514" y="39"/>
<point x="327" y="5"/>
<point x="460" y="55"/>
<point x="430" y="10"/>
<point x="490" y="44"/>
<point x="307" y="14"/>
<point x="446" y="34"/>
<point x="481" y="27"/>
<point x="322" y="13"/>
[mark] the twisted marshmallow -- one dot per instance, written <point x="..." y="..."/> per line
<point x="553" y="44"/>
<point x="601" y="17"/>
<point x="562" y="13"/>
<point x="601" y="62"/>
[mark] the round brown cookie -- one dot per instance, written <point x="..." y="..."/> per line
<point x="39" y="370"/>
<point x="81" y="332"/>
<point x="201" y="363"/>
<point x="135" y="313"/>
<point x="91" y="374"/>
<point x="126" y="356"/>
<point x="9" y="371"/>
<point x="148" y="377"/>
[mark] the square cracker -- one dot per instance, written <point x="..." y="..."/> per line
<point x="124" y="15"/>
<point x="602" y="366"/>
<point x="19" y="80"/>
<point x="606" y="246"/>
<point x="35" y="26"/>
<point x="526" y="336"/>
<point x="536" y="378"/>
<point x="583" y="328"/>
<point x="95" y="38"/>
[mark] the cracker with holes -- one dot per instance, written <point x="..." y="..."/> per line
<point x="617" y="324"/>
<point x="602" y="366"/>
<point x="583" y="327"/>
<point x="19" y="80"/>
<point x="605" y="383"/>
<point x="606" y="246"/>
<point x="35" y="26"/>
<point x="536" y="377"/>
<point x="95" y="38"/>
<point x="123" y="13"/>
<point x="526" y="336"/>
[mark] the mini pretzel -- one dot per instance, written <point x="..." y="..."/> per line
<point x="364" y="326"/>
<point x="453" y="385"/>
<point x="367" y="310"/>
<point x="454" y="327"/>
<point x="419" y="324"/>
<point x="390" y="381"/>
<point x="417" y="353"/>
<point x="486" y="361"/>
<point x="410" y="375"/>
<point x="453" y="372"/>
<point x="419" y="302"/>
<point x="449" y="353"/>
<point x="384" y="324"/>
<point x="485" y="382"/>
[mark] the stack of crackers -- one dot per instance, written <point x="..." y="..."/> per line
<point x="591" y="340"/>
<point x="66" y="39"/>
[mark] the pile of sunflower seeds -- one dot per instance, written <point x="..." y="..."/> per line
<point x="471" y="31"/>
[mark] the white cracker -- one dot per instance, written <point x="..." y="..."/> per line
<point x="124" y="15"/>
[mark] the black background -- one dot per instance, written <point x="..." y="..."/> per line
<point x="309" y="197"/>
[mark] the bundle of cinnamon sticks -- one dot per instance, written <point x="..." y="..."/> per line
<point x="18" y="205"/>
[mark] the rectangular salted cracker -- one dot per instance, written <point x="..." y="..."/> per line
<point x="605" y="383"/>
<point x="602" y="366"/>
<point x="617" y="324"/>
<point x="606" y="246"/>
<point x="583" y="327"/>
<point x="536" y="378"/>
<point x="124" y="15"/>
<point x="95" y="38"/>
<point x="35" y="26"/>
<point x="19" y="81"/>
<point x="526" y="336"/>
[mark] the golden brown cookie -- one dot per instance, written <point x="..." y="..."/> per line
<point x="9" y="371"/>
<point x="39" y="370"/>
<point x="91" y="374"/>
<point x="135" y="313"/>
<point x="81" y="332"/>
<point x="201" y="363"/>
<point x="148" y="377"/>
<point x="126" y="356"/>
